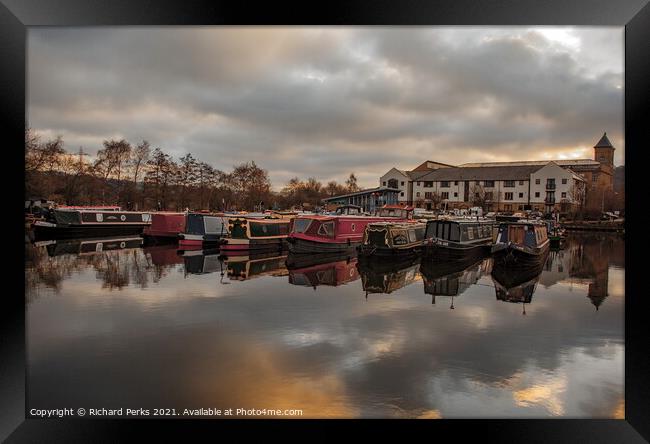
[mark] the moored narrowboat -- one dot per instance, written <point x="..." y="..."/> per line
<point x="256" y="234"/>
<point x="391" y="238"/>
<point x="203" y="228"/>
<point x="71" y="223"/>
<point x="521" y="244"/>
<point x="457" y="238"/>
<point x="340" y="232"/>
<point x="165" y="226"/>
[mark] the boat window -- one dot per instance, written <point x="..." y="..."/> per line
<point x="301" y="225"/>
<point x="400" y="238"/>
<point x="470" y="233"/>
<point x="454" y="234"/>
<point x="412" y="237"/>
<point x="326" y="229"/>
<point x="431" y="229"/>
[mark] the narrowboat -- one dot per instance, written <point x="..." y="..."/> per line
<point x="71" y="223"/>
<point x="454" y="239"/>
<point x="165" y="226"/>
<point x="81" y="247"/>
<point x="392" y="238"/>
<point x="453" y="278"/>
<point x="387" y="280"/>
<point x="256" y="234"/>
<point x="203" y="228"/>
<point x="332" y="274"/>
<point x="521" y="244"/>
<point x="340" y="232"/>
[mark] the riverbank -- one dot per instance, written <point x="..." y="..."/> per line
<point x="617" y="226"/>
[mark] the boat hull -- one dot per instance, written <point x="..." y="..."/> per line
<point x="230" y="244"/>
<point x="304" y="246"/>
<point x="42" y="232"/>
<point x="519" y="257"/>
<point x="198" y="240"/>
<point x="455" y="251"/>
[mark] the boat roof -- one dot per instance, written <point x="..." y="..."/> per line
<point x="397" y="224"/>
<point x="465" y="221"/>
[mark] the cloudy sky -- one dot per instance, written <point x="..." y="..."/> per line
<point x="323" y="102"/>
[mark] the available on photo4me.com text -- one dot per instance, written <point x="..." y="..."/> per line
<point x="60" y="413"/>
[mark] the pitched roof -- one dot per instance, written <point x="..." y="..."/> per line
<point x="561" y="162"/>
<point x="361" y="192"/>
<point x="604" y="142"/>
<point x="517" y="172"/>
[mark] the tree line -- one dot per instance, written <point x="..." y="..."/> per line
<point x="139" y="176"/>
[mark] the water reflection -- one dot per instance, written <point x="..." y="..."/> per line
<point x="122" y="324"/>
<point x="326" y="269"/>
<point x="388" y="276"/>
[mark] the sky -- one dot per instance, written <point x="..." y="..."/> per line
<point x="326" y="101"/>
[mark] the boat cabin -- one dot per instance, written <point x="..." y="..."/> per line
<point x="349" y="210"/>
<point x="396" y="211"/>
<point x="522" y="233"/>
<point x="459" y="230"/>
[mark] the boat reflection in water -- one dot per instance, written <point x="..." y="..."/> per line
<point x="388" y="276"/>
<point x="89" y="246"/>
<point x="452" y="278"/>
<point x="322" y="269"/>
<point x="241" y="266"/>
<point x="203" y="261"/>
<point x="517" y="285"/>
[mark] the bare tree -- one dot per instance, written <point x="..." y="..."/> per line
<point x="351" y="183"/>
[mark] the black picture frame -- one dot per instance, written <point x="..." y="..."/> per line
<point x="17" y="15"/>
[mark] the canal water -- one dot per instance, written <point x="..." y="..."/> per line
<point x="114" y="325"/>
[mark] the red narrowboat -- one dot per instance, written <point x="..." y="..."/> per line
<point x="165" y="225"/>
<point x="341" y="231"/>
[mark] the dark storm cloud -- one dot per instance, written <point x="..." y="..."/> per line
<point x="326" y="101"/>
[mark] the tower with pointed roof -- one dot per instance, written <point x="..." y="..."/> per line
<point x="604" y="152"/>
<point x="604" y="155"/>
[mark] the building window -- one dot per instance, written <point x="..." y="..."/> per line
<point x="402" y="183"/>
<point x="428" y="195"/>
<point x="417" y="194"/>
<point x="563" y="181"/>
<point x="507" y="207"/>
<point x="594" y="178"/>
<point x="509" y="184"/>
<point x="384" y="182"/>
<point x="445" y="195"/>
<point x="488" y="184"/>
<point x="402" y="194"/>
<point x="392" y="183"/>
<point x="521" y="195"/>
<point x="488" y="195"/>
<point x="563" y="195"/>
<point x="602" y="158"/>
<point x="455" y="194"/>
<point x="428" y="184"/>
<point x="418" y="183"/>
<point x="521" y="207"/>
<point x="521" y="182"/>
<point x="455" y="182"/>
<point x="508" y="196"/>
<point x="536" y="193"/>
<point x="537" y="182"/>
<point x="444" y="184"/>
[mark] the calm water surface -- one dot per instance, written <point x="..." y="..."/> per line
<point x="120" y="325"/>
